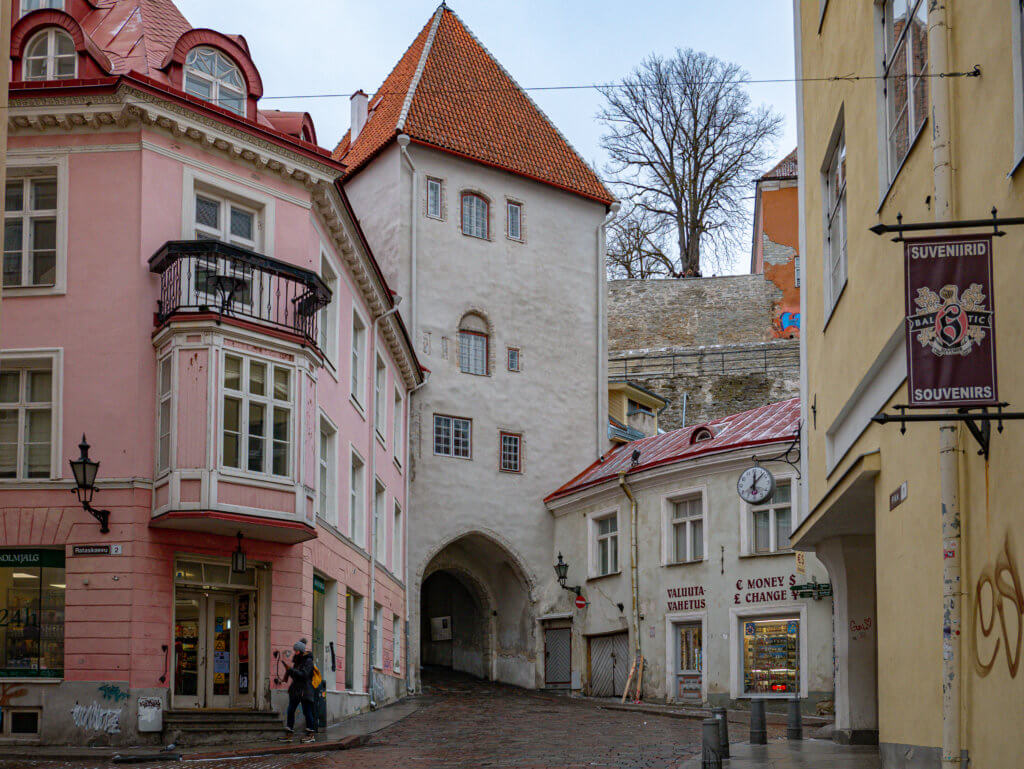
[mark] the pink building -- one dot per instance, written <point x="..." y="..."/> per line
<point x="185" y="282"/>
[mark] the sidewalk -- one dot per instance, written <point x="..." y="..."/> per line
<point x="796" y="754"/>
<point x="350" y="733"/>
<point x="736" y="715"/>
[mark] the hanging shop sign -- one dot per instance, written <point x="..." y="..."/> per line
<point x="951" y="354"/>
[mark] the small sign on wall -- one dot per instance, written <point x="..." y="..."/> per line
<point x="440" y="628"/>
<point x="801" y="562"/>
<point x="95" y="550"/>
<point x="898" y="497"/>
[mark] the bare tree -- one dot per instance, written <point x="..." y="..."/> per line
<point x="685" y="141"/>
<point x="637" y="245"/>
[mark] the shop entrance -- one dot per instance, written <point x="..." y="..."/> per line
<point x="689" y="662"/>
<point x="214" y="641"/>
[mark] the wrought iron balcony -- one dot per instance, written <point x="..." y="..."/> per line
<point x="208" y="276"/>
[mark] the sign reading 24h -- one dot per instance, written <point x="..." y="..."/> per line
<point x="951" y="354"/>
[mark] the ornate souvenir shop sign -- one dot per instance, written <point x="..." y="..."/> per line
<point x="951" y="351"/>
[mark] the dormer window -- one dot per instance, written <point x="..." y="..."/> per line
<point x="50" y="55"/>
<point x="701" y="434"/>
<point x="27" y="6"/>
<point x="213" y="77"/>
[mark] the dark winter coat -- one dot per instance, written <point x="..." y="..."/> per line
<point x="301" y="675"/>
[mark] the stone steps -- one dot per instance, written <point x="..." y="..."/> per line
<point x="214" y="727"/>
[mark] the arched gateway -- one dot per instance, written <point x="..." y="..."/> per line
<point x="477" y="611"/>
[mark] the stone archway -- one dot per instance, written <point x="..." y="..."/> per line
<point x="482" y="589"/>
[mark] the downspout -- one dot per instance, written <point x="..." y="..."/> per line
<point x="634" y="578"/>
<point x="602" y="332"/>
<point x="403" y="144"/>
<point x="409" y="686"/>
<point x="949" y="450"/>
<point x="371" y="420"/>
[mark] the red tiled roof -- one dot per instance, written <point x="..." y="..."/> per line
<point x="785" y="169"/>
<point x="448" y="92"/>
<point x="772" y="423"/>
<point x="137" y="35"/>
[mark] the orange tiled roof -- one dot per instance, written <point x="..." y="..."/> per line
<point x="447" y="91"/>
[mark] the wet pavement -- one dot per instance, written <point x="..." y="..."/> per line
<point x="465" y="723"/>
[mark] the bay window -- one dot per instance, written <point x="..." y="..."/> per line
<point x="163" y="450"/>
<point x="257" y="416"/>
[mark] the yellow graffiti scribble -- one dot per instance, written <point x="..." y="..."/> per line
<point x="1003" y="584"/>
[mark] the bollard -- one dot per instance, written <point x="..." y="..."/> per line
<point x="709" y="740"/>
<point x="723" y="730"/>
<point x="758" y="728"/>
<point x="794" y="724"/>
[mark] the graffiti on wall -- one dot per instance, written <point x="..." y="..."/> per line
<point x="113" y="692"/>
<point x="10" y="692"/>
<point x="95" y="718"/>
<point x="998" y="596"/>
<point x="789" y="320"/>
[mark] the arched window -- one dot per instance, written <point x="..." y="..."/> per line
<point x="50" y="55"/>
<point x="474" y="215"/>
<point x="701" y="434"/>
<point x="474" y="343"/>
<point x="213" y="77"/>
<point x="27" y="6"/>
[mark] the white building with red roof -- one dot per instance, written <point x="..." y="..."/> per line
<point x="491" y="228"/>
<point x="676" y="566"/>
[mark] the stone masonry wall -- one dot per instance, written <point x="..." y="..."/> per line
<point x="711" y="339"/>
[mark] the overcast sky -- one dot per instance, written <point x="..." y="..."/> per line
<point x="337" y="46"/>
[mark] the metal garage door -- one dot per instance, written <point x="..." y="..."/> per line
<point x="609" y="664"/>
<point x="557" y="656"/>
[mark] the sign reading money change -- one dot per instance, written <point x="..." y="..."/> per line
<point x="951" y="349"/>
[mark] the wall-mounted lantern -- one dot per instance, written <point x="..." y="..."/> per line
<point x="562" y="572"/>
<point x="238" y="557"/>
<point x="85" y="471"/>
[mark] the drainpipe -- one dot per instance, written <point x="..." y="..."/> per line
<point x="409" y="685"/>
<point x="403" y="143"/>
<point x="634" y="578"/>
<point x="949" y="450"/>
<point x="371" y="420"/>
<point x="602" y="332"/>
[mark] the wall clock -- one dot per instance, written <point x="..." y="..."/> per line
<point x="756" y="485"/>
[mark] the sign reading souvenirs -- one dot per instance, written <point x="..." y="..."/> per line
<point x="951" y="355"/>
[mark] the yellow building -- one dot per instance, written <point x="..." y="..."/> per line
<point x="932" y="691"/>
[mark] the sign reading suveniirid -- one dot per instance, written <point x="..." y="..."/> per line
<point x="951" y="352"/>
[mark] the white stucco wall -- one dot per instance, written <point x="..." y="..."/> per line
<point x="726" y="577"/>
<point x="542" y="295"/>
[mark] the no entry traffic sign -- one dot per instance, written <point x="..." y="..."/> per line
<point x="581" y="602"/>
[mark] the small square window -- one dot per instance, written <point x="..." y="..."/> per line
<point x="513" y="359"/>
<point x="452" y="436"/>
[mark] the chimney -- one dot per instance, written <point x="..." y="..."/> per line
<point x="358" y="102"/>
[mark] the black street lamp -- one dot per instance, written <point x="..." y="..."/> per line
<point x="85" y="470"/>
<point x="562" y="572"/>
<point x="238" y="558"/>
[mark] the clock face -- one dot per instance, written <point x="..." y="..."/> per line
<point x="756" y="485"/>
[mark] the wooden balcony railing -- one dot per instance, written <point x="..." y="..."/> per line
<point x="208" y="276"/>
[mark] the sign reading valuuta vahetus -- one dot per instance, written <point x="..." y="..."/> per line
<point x="951" y="351"/>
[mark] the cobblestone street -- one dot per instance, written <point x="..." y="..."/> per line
<point x="471" y="724"/>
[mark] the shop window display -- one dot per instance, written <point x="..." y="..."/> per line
<point x="31" y="613"/>
<point x="771" y="656"/>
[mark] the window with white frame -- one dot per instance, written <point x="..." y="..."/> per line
<point x="163" y="444"/>
<point x="835" y="224"/>
<point x="606" y="545"/>
<point x="435" y="190"/>
<point x="27" y="6"/>
<point x="329" y="316"/>
<point x="380" y="404"/>
<point x="513" y="359"/>
<point x="772" y="522"/>
<point x="212" y="76"/>
<point x="356" y="495"/>
<point x="257" y="416"/>
<point x="396" y="642"/>
<point x="378" y="635"/>
<point x="473" y="353"/>
<point x="50" y="55"/>
<point x="397" y="431"/>
<point x="326" y="487"/>
<point x="379" y="501"/>
<point x="511" y="459"/>
<point x="452" y="436"/>
<point x="30" y="230"/>
<point x="474" y="215"/>
<point x="26" y="419"/>
<point x="515" y="220"/>
<point x="216" y="217"/>
<point x="905" y="28"/>
<point x="686" y="529"/>
<point x="358" y="358"/>
<point x="396" y="541"/>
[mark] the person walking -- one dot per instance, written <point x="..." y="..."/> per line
<point x="300" y="690"/>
